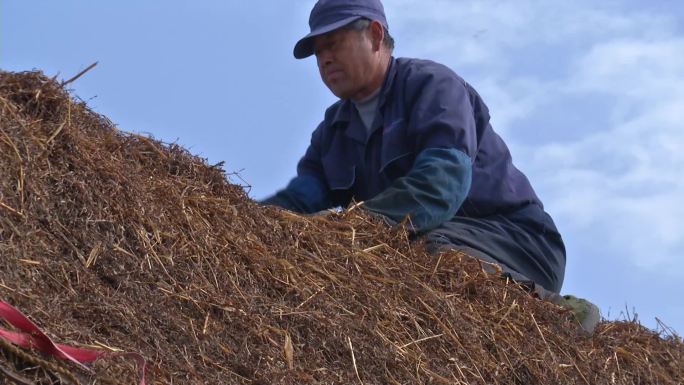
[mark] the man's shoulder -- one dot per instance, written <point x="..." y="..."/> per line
<point x="422" y="68"/>
<point x="333" y="112"/>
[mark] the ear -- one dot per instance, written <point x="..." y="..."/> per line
<point x="377" y="34"/>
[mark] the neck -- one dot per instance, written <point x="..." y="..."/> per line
<point x="379" y="70"/>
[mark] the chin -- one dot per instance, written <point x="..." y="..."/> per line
<point x="339" y="91"/>
<point x="339" y="94"/>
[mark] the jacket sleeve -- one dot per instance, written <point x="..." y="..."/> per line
<point x="430" y="194"/>
<point x="304" y="194"/>
<point x="442" y="126"/>
<point x="308" y="192"/>
<point x="441" y="111"/>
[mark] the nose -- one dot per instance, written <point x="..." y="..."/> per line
<point x="323" y="58"/>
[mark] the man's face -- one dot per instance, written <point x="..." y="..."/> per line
<point x="345" y="57"/>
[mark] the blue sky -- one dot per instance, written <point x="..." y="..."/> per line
<point x="588" y="95"/>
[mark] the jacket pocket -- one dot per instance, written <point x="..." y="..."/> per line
<point x="397" y="150"/>
<point x="339" y="172"/>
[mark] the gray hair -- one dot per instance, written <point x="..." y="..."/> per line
<point x="363" y="23"/>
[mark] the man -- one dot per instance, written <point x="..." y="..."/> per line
<point x="411" y="139"/>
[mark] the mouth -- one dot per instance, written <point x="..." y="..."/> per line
<point x="333" y="74"/>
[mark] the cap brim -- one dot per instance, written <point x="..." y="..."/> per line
<point x="305" y="46"/>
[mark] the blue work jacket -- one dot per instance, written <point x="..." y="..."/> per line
<point x="431" y="154"/>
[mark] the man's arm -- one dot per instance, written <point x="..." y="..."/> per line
<point x="443" y="124"/>
<point x="430" y="194"/>
<point x="307" y="192"/>
<point x="304" y="194"/>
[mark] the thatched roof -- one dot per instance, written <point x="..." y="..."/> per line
<point x="114" y="239"/>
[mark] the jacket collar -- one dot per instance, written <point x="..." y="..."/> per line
<point x="388" y="84"/>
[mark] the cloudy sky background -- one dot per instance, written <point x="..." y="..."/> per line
<point x="589" y="97"/>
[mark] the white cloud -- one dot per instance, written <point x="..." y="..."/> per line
<point x="486" y="31"/>
<point x="637" y="161"/>
<point x="634" y="68"/>
<point x="624" y="183"/>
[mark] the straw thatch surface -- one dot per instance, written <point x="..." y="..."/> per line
<point x="115" y="239"/>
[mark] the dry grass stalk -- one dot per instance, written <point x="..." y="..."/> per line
<point x="143" y="247"/>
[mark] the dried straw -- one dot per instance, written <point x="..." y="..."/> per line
<point x="115" y="239"/>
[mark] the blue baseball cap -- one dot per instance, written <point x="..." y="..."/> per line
<point x="329" y="15"/>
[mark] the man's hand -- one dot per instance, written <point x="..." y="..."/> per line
<point x="387" y="220"/>
<point x="324" y="213"/>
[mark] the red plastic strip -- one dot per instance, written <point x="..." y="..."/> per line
<point x="32" y="337"/>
